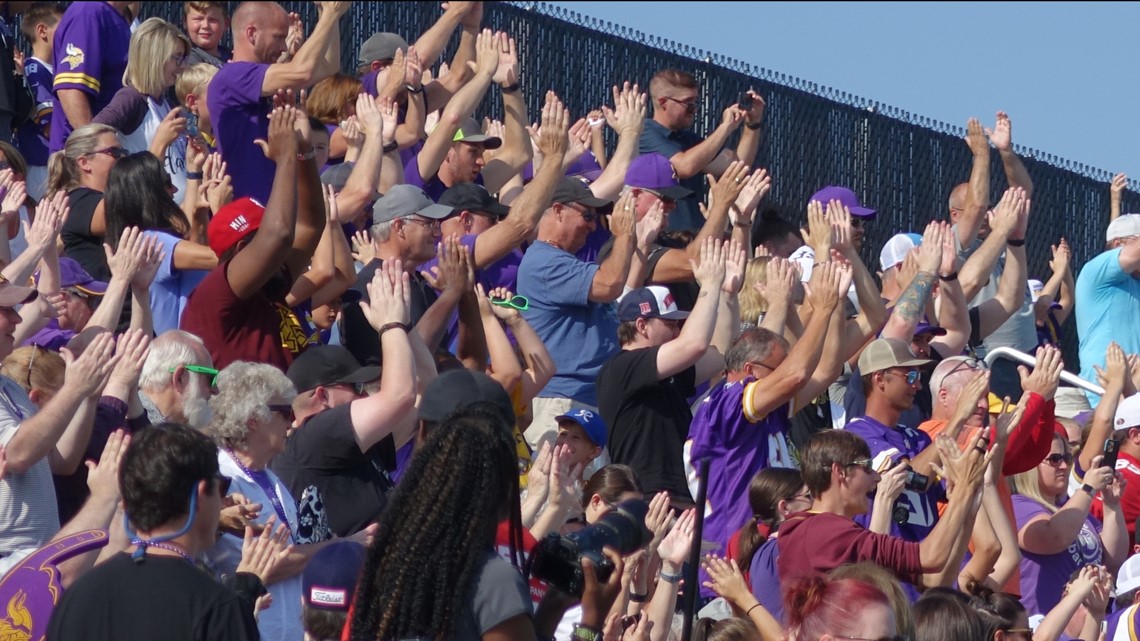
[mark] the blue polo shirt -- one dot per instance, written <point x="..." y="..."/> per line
<point x="656" y="139"/>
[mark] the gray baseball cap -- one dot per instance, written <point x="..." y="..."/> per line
<point x="381" y="46"/>
<point x="406" y="200"/>
<point x="471" y="132"/>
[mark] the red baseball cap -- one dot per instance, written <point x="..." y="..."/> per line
<point x="234" y="222"/>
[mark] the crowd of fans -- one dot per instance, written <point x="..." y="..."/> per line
<point x="328" y="358"/>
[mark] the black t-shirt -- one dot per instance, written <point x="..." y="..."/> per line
<point x="164" y="597"/>
<point x="353" y="485"/>
<point x="648" y="419"/>
<point x="358" y="336"/>
<point x="79" y="244"/>
<point x="684" y="293"/>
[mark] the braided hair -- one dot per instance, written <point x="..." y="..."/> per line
<point x="438" y="526"/>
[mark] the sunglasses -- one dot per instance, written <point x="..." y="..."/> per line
<point x="587" y="215"/>
<point x="969" y="363"/>
<point x="864" y="463"/>
<point x="689" y="105"/>
<point x="284" y="411"/>
<point x="518" y="301"/>
<point x="118" y="153"/>
<point x="912" y="377"/>
<point x="1055" y="460"/>
<point x="201" y="369"/>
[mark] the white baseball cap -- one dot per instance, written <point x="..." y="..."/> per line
<point x="896" y="249"/>
<point x="1123" y="227"/>
<point x="1128" y="579"/>
<point x="1127" y="413"/>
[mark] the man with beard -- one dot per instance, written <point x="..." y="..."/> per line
<point x="177" y="379"/>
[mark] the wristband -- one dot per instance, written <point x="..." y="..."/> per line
<point x="638" y="598"/>
<point x="749" y="611"/>
<point x="412" y="89"/>
<point x="1090" y="489"/>
<point x="949" y="277"/>
<point x="404" y="326"/>
<point x="1015" y="243"/>
<point x="753" y="126"/>
<point x="511" y="88"/>
<point x="585" y="633"/>
<point x="670" y="578"/>
<point x="193" y="175"/>
<point x="390" y="147"/>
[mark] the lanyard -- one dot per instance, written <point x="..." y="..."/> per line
<point x="262" y="479"/>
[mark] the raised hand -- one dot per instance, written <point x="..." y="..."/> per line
<point x="818" y="232"/>
<point x="538" y="478"/>
<point x="1061" y="256"/>
<point x="732" y="117"/>
<point x="778" y="284"/>
<point x="397" y="72"/>
<point x="507" y="65"/>
<point x="622" y="219"/>
<point x="676" y="545"/>
<point x="282" y="143"/>
<point x="727" y="188"/>
<point x="368" y="117"/>
<point x="88" y="373"/>
<point x="726" y="579"/>
<point x="735" y="262"/>
<point x="486" y="54"/>
<point x="452" y="271"/>
<point x="389" y="296"/>
<point x="755" y="113"/>
<point x="976" y="138"/>
<point x="1002" y="133"/>
<point x="14" y="198"/>
<point x="1004" y="218"/>
<point x="710" y="272"/>
<point x="892" y="482"/>
<point x="1119" y="184"/>
<point x="1046" y="373"/>
<point x="261" y="554"/>
<point x="129" y="258"/>
<point x="1115" y="366"/>
<point x="838" y="216"/>
<point x="628" y="114"/>
<point x="413" y="68"/>
<point x="824" y="286"/>
<point x="949" y="264"/>
<point x="150" y="259"/>
<point x="650" y="225"/>
<point x="657" y="519"/>
<point x="103" y="477"/>
<point x="362" y="250"/>
<point x="972" y="393"/>
<point x="132" y="348"/>
<point x="553" y="139"/>
<point x="930" y="251"/>
<point x="502" y="312"/>
<point x="756" y="186"/>
<point x="50" y="217"/>
<point x="171" y="127"/>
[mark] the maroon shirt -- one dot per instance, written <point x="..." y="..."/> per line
<point x="258" y="329"/>
<point x="818" y="542"/>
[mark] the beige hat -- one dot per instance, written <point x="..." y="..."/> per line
<point x="885" y="353"/>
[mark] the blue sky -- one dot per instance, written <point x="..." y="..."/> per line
<point x="1065" y="72"/>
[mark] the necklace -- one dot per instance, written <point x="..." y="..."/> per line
<point x="145" y="543"/>
<point x="262" y="479"/>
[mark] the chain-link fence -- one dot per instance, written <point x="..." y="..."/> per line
<point x="902" y="164"/>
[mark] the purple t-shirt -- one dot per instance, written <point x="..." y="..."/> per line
<point x="738" y="448"/>
<point x="33" y="137"/>
<point x="368" y="81"/>
<point x="764" y="577"/>
<point x="1043" y="576"/>
<point x="240" y="115"/>
<point x="90" y="53"/>
<point x="433" y="186"/>
<point x="594" y="243"/>
<point x="895" y="444"/>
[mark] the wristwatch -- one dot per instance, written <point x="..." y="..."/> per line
<point x="585" y="633"/>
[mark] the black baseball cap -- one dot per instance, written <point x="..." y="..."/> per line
<point x="474" y="198"/>
<point x="577" y="190"/>
<point x="458" y="388"/>
<point x="328" y="365"/>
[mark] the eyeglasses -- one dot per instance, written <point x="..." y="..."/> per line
<point x="968" y="363"/>
<point x="284" y="411"/>
<point x="32" y="364"/>
<point x="117" y="153"/>
<point x="587" y="215"/>
<point x="76" y="293"/>
<point x="897" y="637"/>
<point x="806" y="496"/>
<point x="911" y="376"/>
<point x="223" y="484"/>
<point x="1055" y="460"/>
<point x="764" y="365"/>
<point x="201" y="369"/>
<point x="518" y="301"/>
<point x="357" y="388"/>
<point x="434" y="226"/>
<point x="864" y="463"/>
<point x="178" y="58"/>
<point x="689" y="105"/>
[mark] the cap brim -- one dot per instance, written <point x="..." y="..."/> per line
<point x="95" y="288"/>
<point x="11" y="295"/>
<point x="436" y="212"/>
<point x="914" y="362"/>
<point x="862" y="212"/>
<point x="675" y="192"/>
<point x="363" y="375"/>
<point x="590" y="175"/>
<point x="498" y="210"/>
<point x="488" y="142"/>
<point x="593" y="203"/>
<point x="677" y="315"/>
<point x="933" y="329"/>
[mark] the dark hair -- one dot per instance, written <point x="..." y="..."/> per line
<point x="610" y="483"/>
<point x="626" y="332"/>
<point x="769" y="486"/>
<point x="772" y="226"/>
<point x="48" y="13"/>
<point x="824" y="449"/>
<point x="730" y="629"/>
<point x="432" y="539"/>
<point x="322" y="624"/>
<point x="160" y="468"/>
<point x="944" y="614"/>
<point x="136" y="197"/>
<point x="997" y="610"/>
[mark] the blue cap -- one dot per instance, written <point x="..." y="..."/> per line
<point x="329" y="579"/>
<point x="591" y="423"/>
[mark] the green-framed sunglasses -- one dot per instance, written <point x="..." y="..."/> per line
<point x="201" y="369"/>
<point x="519" y="302"/>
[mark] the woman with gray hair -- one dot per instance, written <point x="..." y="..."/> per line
<point x="252" y="412"/>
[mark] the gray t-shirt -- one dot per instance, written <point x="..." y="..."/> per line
<point x="28" y="512"/>
<point x="1020" y="330"/>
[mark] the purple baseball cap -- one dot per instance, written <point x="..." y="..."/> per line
<point x="654" y="172"/>
<point x="586" y="166"/>
<point x="845" y="196"/>
<point x="71" y="274"/>
<point x="924" y="326"/>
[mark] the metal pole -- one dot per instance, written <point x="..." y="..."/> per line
<point x="692" y="583"/>
<point x="1026" y="359"/>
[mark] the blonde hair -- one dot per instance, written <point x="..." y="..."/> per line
<point x="63" y="165"/>
<point x="1028" y="483"/>
<point x="192" y="79"/>
<point x="152" y="44"/>
<point x="46" y="368"/>
<point x="752" y="302"/>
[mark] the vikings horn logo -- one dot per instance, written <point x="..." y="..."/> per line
<point x="74" y="55"/>
<point x="17" y="625"/>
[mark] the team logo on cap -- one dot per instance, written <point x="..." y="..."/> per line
<point x="239" y="223"/>
<point x="326" y="596"/>
<point x="668" y="299"/>
<point x="1120" y="421"/>
<point x="585" y="415"/>
<point x="645" y="308"/>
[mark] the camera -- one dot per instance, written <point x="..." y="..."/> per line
<point x="557" y="559"/>
<point x="745" y="101"/>
<point x="916" y="482"/>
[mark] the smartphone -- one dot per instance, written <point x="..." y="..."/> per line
<point x="1110" y="448"/>
<point x="745" y="101"/>
<point x="192" y="125"/>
